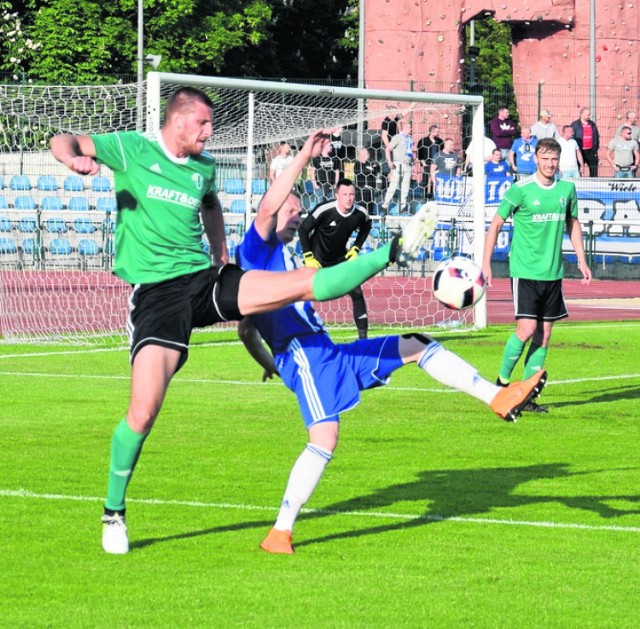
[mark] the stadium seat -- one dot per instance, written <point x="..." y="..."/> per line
<point x="8" y="245"/>
<point x="3" y="203"/>
<point x="1" y="183"/>
<point x="24" y="202"/>
<point x="60" y="246"/>
<point x="101" y="184"/>
<point x="84" y="226"/>
<point x="106" y="204"/>
<point x="234" y="186"/>
<point x="231" y="248"/>
<point x="51" y="203"/>
<point x="109" y="224"/>
<point x="48" y="183"/>
<point x="78" y="204"/>
<point x="55" y="225"/>
<point x="28" y="245"/>
<point x="258" y="186"/>
<point x="20" y="182"/>
<point x="237" y="206"/>
<point x="73" y="183"/>
<point x="5" y="224"/>
<point x="88" y="247"/>
<point x="27" y="225"/>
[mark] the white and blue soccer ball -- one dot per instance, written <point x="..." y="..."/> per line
<point x="458" y="283"/>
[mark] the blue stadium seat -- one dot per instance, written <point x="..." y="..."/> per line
<point x="24" y="202"/>
<point x="109" y="224"/>
<point x="48" y="183"/>
<point x="258" y="186"/>
<point x="106" y="204"/>
<point x="237" y="206"/>
<point x="27" y="225"/>
<point x="55" y="225"/>
<point x="101" y="184"/>
<point x="73" y="183"/>
<point x="8" y="245"/>
<point x="231" y="248"/>
<point x="3" y="203"/>
<point x="234" y="186"/>
<point x="1" y="183"/>
<point x="5" y="224"/>
<point x="20" y="182"/>
<point x="84" y="226"/>
<point x="88" y="247"/>
<point x="51" y="203"/>
<point x="60" y="246"/>
<point x="78" y="204"/>
<point x="28" y="245"/>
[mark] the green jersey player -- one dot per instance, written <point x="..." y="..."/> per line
<point x="541" y="207"/>
<point x="166" y="197"/>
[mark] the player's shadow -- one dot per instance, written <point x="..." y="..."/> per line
<point x="630" y="392"/>
<point x="448" y="494"/>
<point x="445" y="494"/>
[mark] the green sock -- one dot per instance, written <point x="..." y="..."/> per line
<point x="336" y="281"/>
<point x="535" y="360"/>
<point x="512" y="351"/>
<point x="126" y="446"/>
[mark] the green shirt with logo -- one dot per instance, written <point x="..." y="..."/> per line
<point x="158" y="230"/>
<point x="540" y="214"/>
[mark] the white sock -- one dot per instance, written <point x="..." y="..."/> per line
<point x="305" y="476"/>
<point x="449" y="369"/>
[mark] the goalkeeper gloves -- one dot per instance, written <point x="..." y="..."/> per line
<point x="310" y="261"/>
<point x="352" y="254"/>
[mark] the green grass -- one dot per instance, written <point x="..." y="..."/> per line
<point x="433" y="513"/>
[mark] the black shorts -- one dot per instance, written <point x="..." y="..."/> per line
<point x="537" y="299"/>
<point x="165" y="313"/>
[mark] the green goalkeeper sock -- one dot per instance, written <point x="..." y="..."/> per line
<point x="534" y="362"/>
<point x="336" y="281"/>
<point x="512" y="351"/>
<point x="126" y="446"/>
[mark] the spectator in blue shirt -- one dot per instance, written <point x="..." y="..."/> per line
<point x="497" y="166"/>
<point x="521" y="154"/>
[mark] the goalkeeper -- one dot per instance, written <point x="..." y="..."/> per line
<point x="324" y="238"/>
<point x="327" y="378"/>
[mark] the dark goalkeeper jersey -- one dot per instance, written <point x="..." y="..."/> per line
<point x="327" y="232"/>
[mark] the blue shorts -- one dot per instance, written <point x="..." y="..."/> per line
<point x="327" y="378"/>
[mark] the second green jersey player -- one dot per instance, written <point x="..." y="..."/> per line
<point x="541" y="208"/>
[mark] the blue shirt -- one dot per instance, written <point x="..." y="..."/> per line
<point x="277" y="328"/>
<point x="525" y="150"/>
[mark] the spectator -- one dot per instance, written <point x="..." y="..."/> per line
<point x="446" y="163"/>
<point x="428" y="148"/>
<point x="503" y="131"/>
<point x="496" y="165"/>
<point x="325" y="172"/>
<point x="280" y="161"/>
<point x="623" y="154"/>
<point x="367" y="173"/>
<point x="488" y="145"/>
<point x="587" y="136"/>
<point x="521" y="154"/>
<point x="325" y="234"/>
<point x="399" y="159"/>
<point x="571" y="162"/>
<point x="631" y="120"/>
<point x="544" y="128"/>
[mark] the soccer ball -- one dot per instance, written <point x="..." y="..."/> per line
<point x="458" y="283"/>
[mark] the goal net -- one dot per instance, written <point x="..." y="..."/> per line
<point x="56" y="229"/>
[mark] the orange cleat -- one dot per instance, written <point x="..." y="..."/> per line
<point x="277" y="542"/>
<point x="510" y="401"/>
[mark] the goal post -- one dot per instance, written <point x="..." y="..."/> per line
<point x="56" y="236"/>
<point x="316" y="106"/>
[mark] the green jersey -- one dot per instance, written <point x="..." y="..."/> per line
<point x="540" y="214"/>
<point x="158" y="229"/>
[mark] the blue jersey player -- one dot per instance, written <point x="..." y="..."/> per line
<point x="326" y="377"/>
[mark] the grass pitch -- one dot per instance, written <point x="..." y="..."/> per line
<point x="433" y="513"/>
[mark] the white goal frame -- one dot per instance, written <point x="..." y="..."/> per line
<point x="155" y="80"/>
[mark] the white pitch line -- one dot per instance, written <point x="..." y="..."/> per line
<point x="177" y="379"/>
<point x="25" y="493"/>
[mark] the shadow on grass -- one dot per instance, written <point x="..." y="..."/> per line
<point x="612" y="395"/>
<point x="445" y="494"/>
